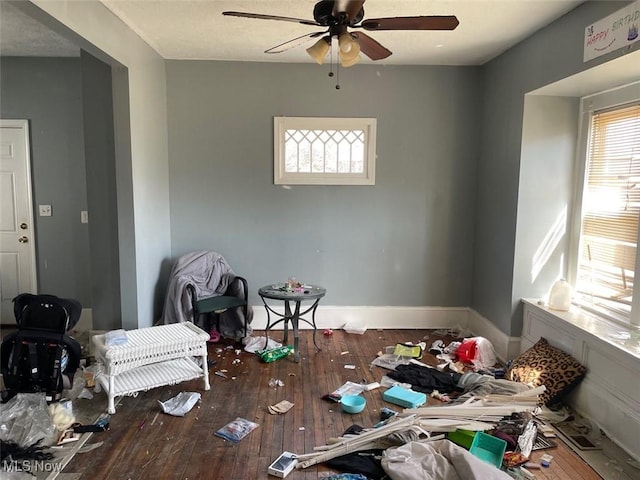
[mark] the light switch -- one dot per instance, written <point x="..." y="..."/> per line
<point x="45" y="210"/>
<point x="84" y="216"/>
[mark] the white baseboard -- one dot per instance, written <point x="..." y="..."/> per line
<point x="506" y="347"/>
<point x="336" y="317"/>
<point x="462" y="318"/>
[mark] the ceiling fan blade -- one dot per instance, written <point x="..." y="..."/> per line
<point x="432" y="22"/>
<point x="349" y="7"/>
<point x="271" y="17"/>
<point x="294" y="42"/>
<point x="370" y="47"/>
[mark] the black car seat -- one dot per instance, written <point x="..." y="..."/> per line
<point x="41" y="356"/>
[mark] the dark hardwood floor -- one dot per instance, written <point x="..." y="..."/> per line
<point x="145" y="443"/>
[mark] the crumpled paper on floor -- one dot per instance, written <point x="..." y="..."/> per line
<point x="181" y="404"/>
<point x="281" y="407"/>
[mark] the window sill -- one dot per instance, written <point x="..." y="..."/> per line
<point x="622" y="337"/>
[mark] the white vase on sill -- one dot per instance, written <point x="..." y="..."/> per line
<point x="560" y="296"/>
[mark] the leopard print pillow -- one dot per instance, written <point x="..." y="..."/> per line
<point x="544" y="364"/>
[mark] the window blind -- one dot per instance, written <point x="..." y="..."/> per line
<point x="611" y="207"/>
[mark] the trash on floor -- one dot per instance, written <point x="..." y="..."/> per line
<point x="281" y="407"/>
<point x="275" y="382"/>
<point x="349" y="388"/>
<point x="409" y="349"/>
<point x="101" y="425"/>
<point x="181" y="404"/>
<point x="274" y="354"/>
<point x="237" y="429"/>
<point x="283" y="465"/>
<point x="61" y="415"/>
<point x="352" y="328"/>
<point x="68" y="436"/>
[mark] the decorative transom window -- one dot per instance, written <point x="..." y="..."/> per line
<point x="324" y="151"/>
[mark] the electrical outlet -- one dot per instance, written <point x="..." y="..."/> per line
<point x="84" y="216"/>
<point x="45" y="210"/>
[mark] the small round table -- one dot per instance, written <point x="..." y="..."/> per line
<point x="281" y="292"/>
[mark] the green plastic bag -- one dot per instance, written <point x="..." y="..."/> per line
<point x="274" y="354"/>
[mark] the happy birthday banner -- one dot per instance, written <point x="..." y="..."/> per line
<point x="618" y="30"/>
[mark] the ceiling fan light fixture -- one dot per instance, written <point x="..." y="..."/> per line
<point x="349" y="62"/>
<point x="349" y="50"/>
<point x="319" y="50"/>
<point x="347" y="43"/>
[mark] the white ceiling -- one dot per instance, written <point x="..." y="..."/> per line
<point x="184" y="29"/>
<point x="22" y="36"/>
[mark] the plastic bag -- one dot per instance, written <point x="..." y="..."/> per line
<point x="115" y="337"/>
<point x="388" y="382"/>
<point x="62" y="415"/>
<point x="274" y="354"/>
<point x="255" y="344"/>
<point x="477" y="351"/>
<point x="181" y="404"/>
<point x="485" y="354"/>
<point x="390" y="361"/>
<point x="236" y="430"/>
<point x="79" y="383"/>
<point x="527" y="438"/>
<point x="24" y="420"/>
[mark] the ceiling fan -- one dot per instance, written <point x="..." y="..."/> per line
<point x="339" y="16"/>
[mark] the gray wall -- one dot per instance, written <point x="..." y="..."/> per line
<point x="553" y="53"/>
<point x="47" y="92"/>
<point x="141" y="147"/>
<point x="408" y="240"/>
<point x="101" y="185"/>
<point x="549" y="141"/>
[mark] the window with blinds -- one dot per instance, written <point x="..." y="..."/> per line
<point x="610" y="211"/>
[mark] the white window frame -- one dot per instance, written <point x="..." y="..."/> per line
<point x="282" y="124"/>
<point x="588" y="106"/>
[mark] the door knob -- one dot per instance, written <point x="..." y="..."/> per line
<point x="23" y="239"/>
<point x="23" y="226"/>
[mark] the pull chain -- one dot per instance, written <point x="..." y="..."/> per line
<point x="331" y="61"/>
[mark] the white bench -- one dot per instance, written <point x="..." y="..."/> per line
<point x="152" y="357"/>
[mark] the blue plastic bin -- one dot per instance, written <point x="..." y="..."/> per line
<point x="488" y="448"/>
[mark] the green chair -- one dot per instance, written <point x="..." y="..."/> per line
<point x="220" y="303"/>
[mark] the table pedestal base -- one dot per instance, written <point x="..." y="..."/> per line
<point x="294" y="317"/>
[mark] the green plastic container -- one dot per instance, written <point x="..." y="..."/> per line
<point x="488" y="448"/>
<point x="461" y="437"/>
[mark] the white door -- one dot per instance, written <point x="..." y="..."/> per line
<point x="17" y="239"/>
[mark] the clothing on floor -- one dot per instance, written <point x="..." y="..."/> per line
<point x="477" y="385"/>
<point x="364" y="462"/>
<point x="425" y="379"/>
